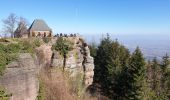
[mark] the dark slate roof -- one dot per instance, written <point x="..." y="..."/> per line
<point x="39" y="25"/>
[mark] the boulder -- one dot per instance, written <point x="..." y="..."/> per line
<point x="20" y="78"/>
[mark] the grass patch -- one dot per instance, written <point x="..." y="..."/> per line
<point x="41" y="92"/>
<point x="76" y="84"/>
<point x="27" y="47"/>
<point x="46" y="39"/>
<point x="3" y="94"/>
<point x="3" y="40"/>
<point x="2" y="63"/>
<point x="9" y="52"/>
<point x="37" y="43"/>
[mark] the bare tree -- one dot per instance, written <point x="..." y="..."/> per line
<point x="23" y="21"/>
<point x="10" y="24"/>
<point x="22" y="27"/>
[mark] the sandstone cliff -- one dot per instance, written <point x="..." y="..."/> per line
<point x="21" y="76"/>
<point x="77" y="61"/>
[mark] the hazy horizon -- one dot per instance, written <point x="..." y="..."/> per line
<point x="151" y="45"/>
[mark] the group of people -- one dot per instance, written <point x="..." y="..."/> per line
<point x="65" y="35"/>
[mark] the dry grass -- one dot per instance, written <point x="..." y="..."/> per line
<point x="57" y="87"/>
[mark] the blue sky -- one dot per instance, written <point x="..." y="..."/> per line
<point x="94" y="16"/>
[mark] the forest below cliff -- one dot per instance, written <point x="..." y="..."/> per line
<point x="121" y="75"/>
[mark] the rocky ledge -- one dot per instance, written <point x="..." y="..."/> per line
<point x="21" y="76"/>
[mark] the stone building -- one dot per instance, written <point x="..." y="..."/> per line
<point x="39" y="29"/>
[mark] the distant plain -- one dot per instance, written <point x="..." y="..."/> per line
<point x="152" y="45"/>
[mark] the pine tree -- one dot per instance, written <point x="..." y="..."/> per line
<point x="102" y="61"/>
<point x="121" y="85"/>
<point x="165" y="77"/>
<point x="149" y="73"/>
<point x="110" y="59"/>
<point x="137" y="77"/>
<point x="156" y="78"/>
<point x="131" y="83"/>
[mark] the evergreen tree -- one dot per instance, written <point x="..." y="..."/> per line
<point x="131" y="84"/>
<point x="165" y="77"/>
<point x="122" y="76"/>
<point x="110" y="60"/>
<point x="137" y="77"/>
<point x="149" y="73"/>
<point x="121" y="85"/>
<point x="103" y="59"/>
<point x="156" y="78"/>
<point x="150" y="78"/>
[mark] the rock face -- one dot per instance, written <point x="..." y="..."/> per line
<point x="88" y="67"/>
<point x="44" y="54"/>
<point x="57" y="60"/>
<point x="77" y="61"/>
<point x="20" y="78"/>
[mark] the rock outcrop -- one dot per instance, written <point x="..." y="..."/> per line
<point x="44" y="54"/>
<point x="77" y="61"/>
<point x="88" y="67"/>
<point x="57" y="60"/>
<point x="20" y="78"/>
